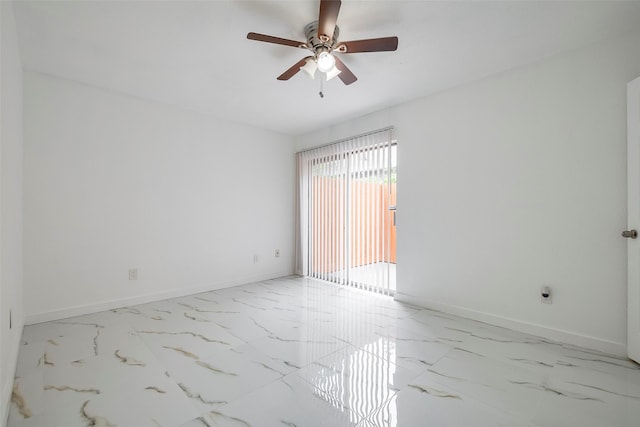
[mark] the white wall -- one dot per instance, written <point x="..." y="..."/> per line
<point x="515" y="182"/>
<point x="113" y="182"/>
<point x="10" y="204"/>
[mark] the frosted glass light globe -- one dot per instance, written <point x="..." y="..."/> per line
<point x="326" y="62"/>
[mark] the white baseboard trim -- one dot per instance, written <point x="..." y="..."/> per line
<point x="7" y="388"/>
<point x="47" y="316"/>
<point x="552" y="334"/>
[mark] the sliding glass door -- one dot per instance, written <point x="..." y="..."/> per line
<point x="348" y="197"/>
<point x="371" y="217"/>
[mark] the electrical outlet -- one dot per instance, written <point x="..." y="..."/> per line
<point x="133" y="274"/>
<point x="255" y="259"/>
<point x="545" y="295"/>
<point x="277" y="253"/>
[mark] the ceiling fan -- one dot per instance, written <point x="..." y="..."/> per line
<point x="322" y="41"/>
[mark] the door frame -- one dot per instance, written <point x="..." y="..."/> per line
<point x="633" y="219"/>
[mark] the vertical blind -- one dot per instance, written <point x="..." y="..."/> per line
<point x="344" y="221"/>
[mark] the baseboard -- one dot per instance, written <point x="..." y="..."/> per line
<point x="67" y="312"/>
<point x="7" y="389"/>
<point x="552" y="334"/>
<point x="6" y="401"/>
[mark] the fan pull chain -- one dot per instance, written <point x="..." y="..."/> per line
<point x="321" y="93"/>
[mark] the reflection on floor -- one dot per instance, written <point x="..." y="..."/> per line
<point x="379" y="274"/>
<point x="300" y="352"/>
<point x="376" y="277"/>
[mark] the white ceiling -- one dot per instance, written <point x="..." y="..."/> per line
<point x="195" y="55"/>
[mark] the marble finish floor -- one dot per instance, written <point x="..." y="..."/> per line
<point x="300" y="352"/>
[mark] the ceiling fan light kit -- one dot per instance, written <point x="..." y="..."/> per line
<point x="332" y="73"/>
<point x="310" y="68"/>
<point x="322" y="41"/>
<point x="326" y="62"/>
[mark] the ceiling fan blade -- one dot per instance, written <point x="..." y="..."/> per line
<point x="328" y="17"/>
<point x="383" y="44"/>
<point x="346" y="75"/>
<point x="294" y="69"/>
<point x="276" y="40"/>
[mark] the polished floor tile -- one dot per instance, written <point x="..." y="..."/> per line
<point x="301" y="352"/>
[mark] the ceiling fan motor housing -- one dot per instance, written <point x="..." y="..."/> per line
<point x="313" y="41"/>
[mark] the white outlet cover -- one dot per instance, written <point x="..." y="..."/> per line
<point x="543" y="299"/>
